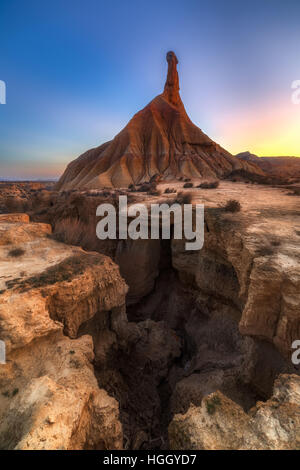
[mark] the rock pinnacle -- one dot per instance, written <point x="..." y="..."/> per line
<point x="171" y="90"/>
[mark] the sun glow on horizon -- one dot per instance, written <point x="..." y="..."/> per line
<point x="270" y="130"/>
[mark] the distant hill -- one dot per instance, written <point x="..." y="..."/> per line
<point x="285" y="167"/>
<point x="248" y="157"/>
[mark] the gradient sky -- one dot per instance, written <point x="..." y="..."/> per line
<point x="76" y="71"/>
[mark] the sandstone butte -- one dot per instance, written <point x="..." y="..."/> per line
<point x="159" y="141"/>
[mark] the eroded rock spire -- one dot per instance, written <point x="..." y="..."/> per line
<point x="161" y="140"/>
<point x="171" y="90"/>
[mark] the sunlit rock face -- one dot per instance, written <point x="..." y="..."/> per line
<point x="219" y="423"/>
<point x="159" y="140"/>
<point x="49" y="395"/>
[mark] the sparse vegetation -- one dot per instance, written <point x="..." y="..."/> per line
<point x="209" y="184"/>
<point x="145" y="187"/>
<point x="232" y="206"/>
<point x="170" y="190"/>
<point x="7" y="394"/>
<point x="132" y="198"/>
<point x="265" y="251"/>
<point x="184" y="197"/>
<point x="295" y="192"/>
<point x="154" y="192"/>
<point x="64" y="271"/>
<point x="188" y="185"/>
<point x="151" y="188"/>
<point x="16" y="252"/>
<point x="15" y="204"/>
<point x="211" y="404"/>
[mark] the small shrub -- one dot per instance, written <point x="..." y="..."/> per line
<point x="187" y="179"/>
<point x="232" y="206"/>
<point x="212" y="404"/>
<point x="104" y="193"/>
<point x="295" y="192"/>
<point x="152" y="189"/>
<point x="64" y="271"/>
<point x="265" y="251"/>
<point x="13" y="393"/>
<point x="170" y="190"/>
<point x="132" y="198"/>
<point x="209" y="185"/>
<point x="16" y="252"/>
<point x="188" y="185"/>
<point x="155" y="178"/>
<point x="154" y="192"/>
<point x="145" y="187"/>
<point x="184" y="198"/>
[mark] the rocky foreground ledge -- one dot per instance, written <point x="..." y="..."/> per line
<point x="80" y="376"/>
<point x="62" y="312"/>
<point x="49" y="396"/>
<point x="221" y="424"/>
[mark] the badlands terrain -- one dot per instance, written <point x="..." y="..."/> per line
<point x="141" y="344"/>
<point x="123" y="344"/>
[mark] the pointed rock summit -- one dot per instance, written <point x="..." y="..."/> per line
<point x="171" y="90"/>
<point x="159" y="140"/>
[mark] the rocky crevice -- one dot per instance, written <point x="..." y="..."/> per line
<point x="181" y="336"/>
<point x="201" y="297"/>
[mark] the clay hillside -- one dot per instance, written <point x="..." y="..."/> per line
<point x="286" y="167"/>
<point x="159" y="141"/>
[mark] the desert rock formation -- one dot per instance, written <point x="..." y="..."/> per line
<point x="68" y="340"/>
<point x="219" y="321"/>
<point x="282" y="167"/>
<point x="220" y="424"/>
<point x="160" y="140"/>
<point x="49" y="395"/>
<point x="250" y="259"/>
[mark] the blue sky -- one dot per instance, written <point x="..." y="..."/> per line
<point x="76" y="72"/>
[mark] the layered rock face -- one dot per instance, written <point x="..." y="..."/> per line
<point x="250" y="261"/>
<point x="160" y="140"/>
<point x="220" y="424"/>
<point x="219" y="319"/>
<point x="70" y="348"/>
<point x="209" y="331"/>
<point x="49" y="395"/>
